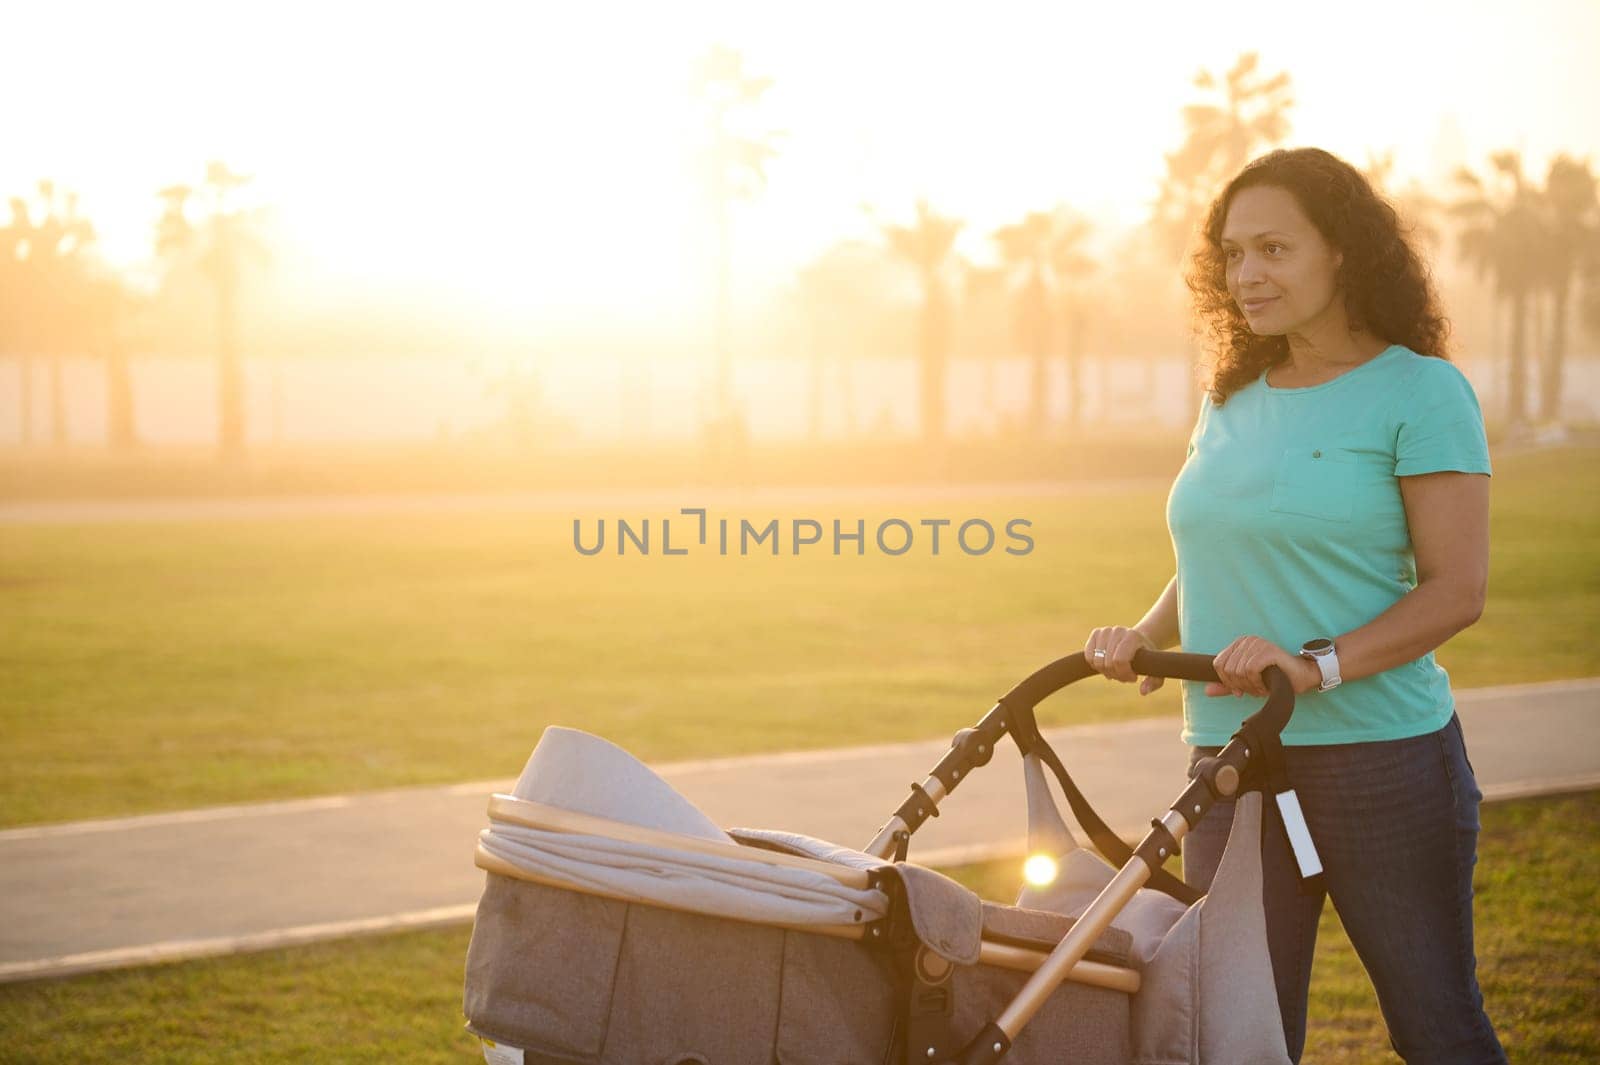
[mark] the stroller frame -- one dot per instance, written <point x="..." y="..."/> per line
<point x="1218" y="777"/>
<point x="928" y="1033"/>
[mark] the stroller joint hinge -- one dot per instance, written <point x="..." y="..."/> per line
<point x="1195" y="801"/>
<point x="1157" y="847"/>
<point x="930" y="1009"/>
<point x="893" y="931"/>
<point x="1022" y="724"/>
<point x="917" y="809"/>
<point x="987" y="1047"/>
<point x="971" y="748"/>
<point x="976" y="745"/>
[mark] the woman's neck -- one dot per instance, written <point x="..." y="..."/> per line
<point x="1314" y="359"/>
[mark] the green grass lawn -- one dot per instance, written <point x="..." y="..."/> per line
<point x="398" y="998"/>
<point x="168" y="665"/>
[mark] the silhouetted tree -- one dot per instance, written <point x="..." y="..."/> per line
<point x="983" y="309"/>
<point x="59" y="300"/>
<point x="842" y="296"/>
<point x="220" y="241"/>
<point x="106" y="308"/>
<point x="59" y="242"/>
<point x="1572" y="217"/>
<point x="1589" y="299"/>
<point x="1025" y="253"/>
<point x="1503" y="237"/>
<point x="1042" y="253"/>
<point x="1072" y="265"/>
<point x="1247" y="111"/>
<point x="734" y="163"/>
<point x="15" y="301"/>
<point x="817" y="288"/>
<point x="48" y="264"/>
<point x="927" y="246"/>
<point x="1417" y="208"/>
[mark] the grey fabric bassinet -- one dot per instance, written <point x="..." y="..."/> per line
<point x="619" y="925"/>
<point x="569" y="977"/>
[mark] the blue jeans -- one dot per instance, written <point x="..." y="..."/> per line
<point x="1396" y="826"/>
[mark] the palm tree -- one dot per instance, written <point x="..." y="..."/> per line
<point x="47" y="250"/>
<point x="837" y="293"/>
<point x="1071" y="265"/>
<point x="817" y="289"/>
<point x="1589" y="304"/>
<point x="106" y="308"/>
<point x="1503" y="237"/>
<point x="58" y="241"/>
<point x="1573" y="227"/>
<point x="219" y="243"/>
<point x="927" y="246"/>
<point x="983" y="301"/>
<point x="1415" y="206"/>
<point x="1025" y="252"/>
<point x="734" y="163"/>
<point x="1042" y="252"/>
<point x="1249" y="111"/>
<point x="15" y="297"/>
<point x="60" y="300"/>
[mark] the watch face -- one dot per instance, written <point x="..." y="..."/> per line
<point x="1318" y="646"/>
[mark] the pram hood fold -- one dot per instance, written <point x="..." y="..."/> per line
<point x="585" y="775"/>
<point x="581" y="772"/>
<point x="681" y="879"/>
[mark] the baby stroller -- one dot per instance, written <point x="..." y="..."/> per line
<point x="618" y="924"/>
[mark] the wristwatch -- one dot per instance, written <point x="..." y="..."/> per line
<point x="1322" y="653"/>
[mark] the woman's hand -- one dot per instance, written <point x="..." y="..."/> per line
<point x="1110" y="651"/>
<point x="1241" y="663"/>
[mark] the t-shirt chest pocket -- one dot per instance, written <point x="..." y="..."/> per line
<point x="1315" y="482"/>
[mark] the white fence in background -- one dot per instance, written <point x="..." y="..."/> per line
<point x="373" y="400"/>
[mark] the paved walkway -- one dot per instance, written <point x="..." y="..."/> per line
<point x="253" y="508"/>
<point x="102" y="894"/>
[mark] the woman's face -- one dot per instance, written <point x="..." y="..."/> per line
<point x="1280" y="271"/>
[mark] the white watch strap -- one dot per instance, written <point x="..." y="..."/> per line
<point x="1328" y="664"/>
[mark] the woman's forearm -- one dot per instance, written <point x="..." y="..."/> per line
<point x="1160" y="622"/>
<point x="1418" y="622"/>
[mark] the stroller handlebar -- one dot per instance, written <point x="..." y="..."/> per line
<point x="1063" y="671"/>
<point x="1014" y="713"/>
<point x="1216" y="777"/>
<point x="1174" y="664"/>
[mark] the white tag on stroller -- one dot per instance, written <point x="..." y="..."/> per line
<point x="495" y="1054"/>
<point x="1294" y="823"/>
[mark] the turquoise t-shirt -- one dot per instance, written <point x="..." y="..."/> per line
<point x="1288" y="524"/>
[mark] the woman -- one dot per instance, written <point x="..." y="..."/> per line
<point x="1332" y="520"/>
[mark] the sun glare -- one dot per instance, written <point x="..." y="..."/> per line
<point x="1040" y="870"/>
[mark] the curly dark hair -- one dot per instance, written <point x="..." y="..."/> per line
<point x="1386" y="285"/>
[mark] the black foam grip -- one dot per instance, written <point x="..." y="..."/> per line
<point x="1043" y="683"/>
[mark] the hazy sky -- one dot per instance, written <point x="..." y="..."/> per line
<point x="532" y="157"/>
